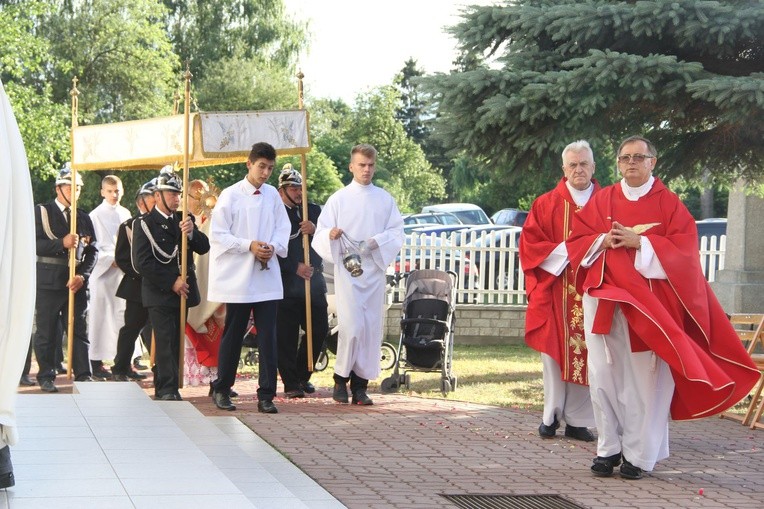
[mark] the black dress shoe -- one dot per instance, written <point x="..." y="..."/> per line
<point x="25" y="380"/>
<point x="223" y="401"/>
<point x="629" y="471"/>
<point x="548" y="431"/>
<point x="266" y="406"/>
<point x="101" y="373"/>
<point x="307" y="387"/>
<point x="84" y="378"/>
<point x="579" y="433"/>
<point x="47" y="386"/>
<point x="232" y="393"/>
<point x="134" y="375"/>
<point x="603" y="466"/>
<point x="166" y="397"/>
<point x="119" y="378"/>
<point x="7" y="480"/>
<point x="340" y="393"/>
<point x="137" y="364"/>
<point x="60" y="369"/>
<point x="361" y="398"/>
<point x="294" y="393"/>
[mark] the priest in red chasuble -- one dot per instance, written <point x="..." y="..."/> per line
<point x="554" y="319"/>
<point x="659" y="343"/>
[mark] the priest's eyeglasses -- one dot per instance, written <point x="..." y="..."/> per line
<point x="637" y="158"/>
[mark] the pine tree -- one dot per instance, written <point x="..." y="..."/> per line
<point x="688" y="75"/>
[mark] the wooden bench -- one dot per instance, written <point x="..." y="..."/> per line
<point x="750" y="330"/>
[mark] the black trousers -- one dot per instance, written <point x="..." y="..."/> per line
<point x="5" y="460"/>
<point x="356" y="382"/>
<point x="293" y="353"/>
<point x="136" y="318"/>
<point x="52" y="312"/>
<point x="236" y="320"/>
<point x="166" y="323"/>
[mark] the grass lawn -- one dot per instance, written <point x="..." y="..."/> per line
<point x="504" y="375"/>
<point x="501" y="375"/>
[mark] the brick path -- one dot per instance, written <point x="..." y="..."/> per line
<point x="404" y="451"/>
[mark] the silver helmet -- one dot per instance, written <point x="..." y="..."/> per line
<point x="64" y="177"/>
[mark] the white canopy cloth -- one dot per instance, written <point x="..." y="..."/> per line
<point x="17" y="266"/>
<point x="216" y="138"/>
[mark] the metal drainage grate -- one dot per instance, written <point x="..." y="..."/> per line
<point x="511" y="502"/>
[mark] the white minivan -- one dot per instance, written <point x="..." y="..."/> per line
<point x="467" y="213"/>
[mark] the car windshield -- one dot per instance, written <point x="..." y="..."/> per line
<point x="472" y="216"/>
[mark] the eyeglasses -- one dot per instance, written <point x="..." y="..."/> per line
<point x="637" y="158"/>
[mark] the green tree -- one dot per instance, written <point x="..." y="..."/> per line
<point x="402" y="168"/>
<point x="42" y="121"/>
<point x="207" y="31"/>
<point x="413" y="112"/>
<point x="323" y="177"/>
<point x="121" y="54"/>
<point x="686" y="74"/>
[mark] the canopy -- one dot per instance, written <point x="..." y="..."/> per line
<point x="216" y="138"/>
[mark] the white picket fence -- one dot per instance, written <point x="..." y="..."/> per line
<point x="487" y="264"/>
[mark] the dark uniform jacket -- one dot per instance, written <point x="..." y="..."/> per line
<point x="294" y="285"/>
<point x="52" y="257"/>
<point x="160" y="271"/>
<point x="130" y="286"/>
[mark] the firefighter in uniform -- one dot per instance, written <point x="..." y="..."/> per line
<point x="157" y="258"/>
<point x="52" y="227"/>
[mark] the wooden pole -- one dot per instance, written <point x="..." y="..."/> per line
<point x="184" y="237"/>
<point x="305" y="236"/>
<point x="74" y="93"/>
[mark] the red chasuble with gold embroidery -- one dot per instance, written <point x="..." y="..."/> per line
<point x="554" y="318"/>
<point x="678" y="318"/>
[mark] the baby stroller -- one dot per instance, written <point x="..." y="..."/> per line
<point x="427" y="330"/>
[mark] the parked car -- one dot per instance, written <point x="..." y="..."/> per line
<point x="457" y="232"/>
<point x="412" y="221"/>
<point x="510" y="217"/>
<point x="505" y="263"/>
<point x="712" y="226"/>
<point x="467" y="213"/>
<point x="431" y="252"/>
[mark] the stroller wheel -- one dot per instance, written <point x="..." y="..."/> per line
<point x="453" y="381"/>
<point x="407" y="381"/>
<point x="387" y="356"/>
<point x="251" y="358"/>
<point x="389" y="384"/>
<point x="322" y="362"/>
<point x="445" y="386"/>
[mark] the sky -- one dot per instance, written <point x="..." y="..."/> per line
<point x="356" y="45"/>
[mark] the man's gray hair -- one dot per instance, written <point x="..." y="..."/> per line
<point x="577" y="146"/>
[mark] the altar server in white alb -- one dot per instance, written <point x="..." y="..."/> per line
<point x="249" y="227"/>
<point x="364" y="220"/>
<point x="107" y="311"/>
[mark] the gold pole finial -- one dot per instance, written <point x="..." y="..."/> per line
<point x="75" y="94"/>
<point x="300" y="90"/>
<point x="176" y="102"/>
